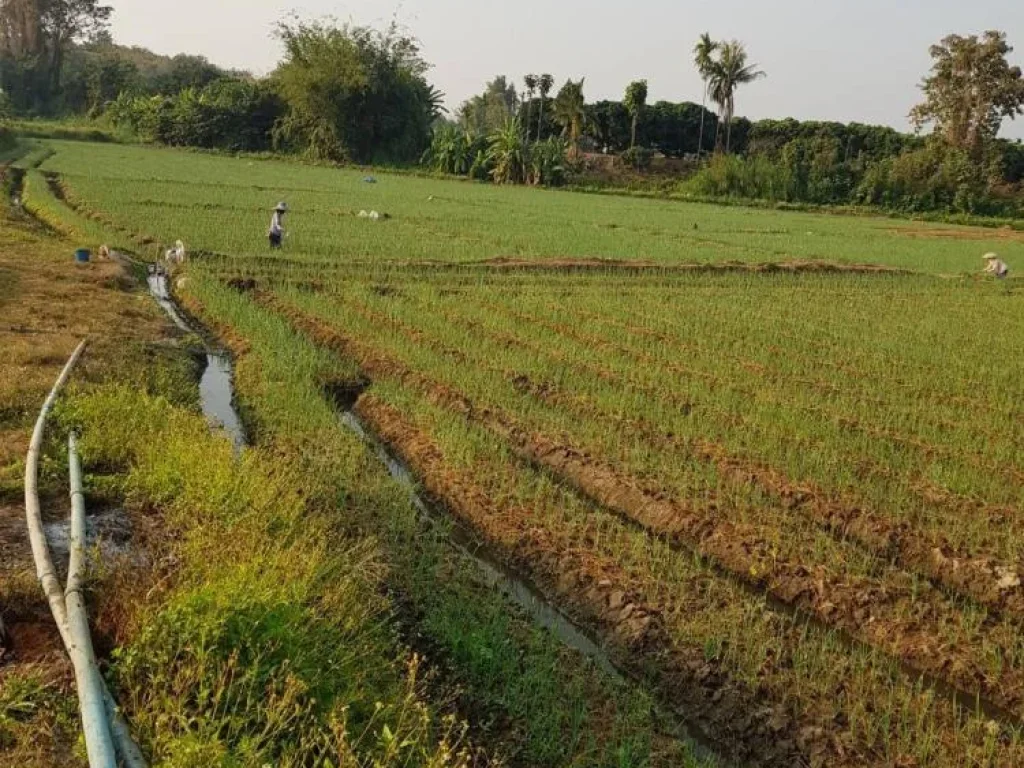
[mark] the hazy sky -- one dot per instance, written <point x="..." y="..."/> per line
<point x="825" y="59"/>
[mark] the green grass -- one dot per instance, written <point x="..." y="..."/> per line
<point x="481" y="337"/>
<point x="844" y="443"/>
<point x="223" y="204"/>
<point x="540" y="704"/>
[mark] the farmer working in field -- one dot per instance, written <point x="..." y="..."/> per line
<point x="995" y="266"/>
<point x="277" y="225"/>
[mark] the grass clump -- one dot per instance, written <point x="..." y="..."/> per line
<point x="272" y="645"/>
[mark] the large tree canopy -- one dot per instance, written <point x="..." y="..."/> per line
<point x="354" y="92"/>
<point x="35" y="37"/>
<point x="491" y="110"/>
<point x="970" y="90"/>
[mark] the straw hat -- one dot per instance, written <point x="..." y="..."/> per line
<point x="990" y="256"/>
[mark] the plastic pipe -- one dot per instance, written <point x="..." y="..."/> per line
<point x="128" y="750"/>
<point x="99" y="744"/>
<point x="33" y="516"/>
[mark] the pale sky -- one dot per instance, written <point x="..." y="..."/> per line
<point x="826" y="59"/>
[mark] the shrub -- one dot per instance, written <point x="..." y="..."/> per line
<point x="637" y="158"/>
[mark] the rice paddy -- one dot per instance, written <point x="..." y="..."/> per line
<point x="774" y="461"/>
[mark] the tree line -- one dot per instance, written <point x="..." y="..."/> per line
<point x="349" y="93"/>
<point x="961" y="166"/>
<point x="340" y="92"/>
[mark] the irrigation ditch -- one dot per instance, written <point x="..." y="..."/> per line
<point x="218" y="402"/>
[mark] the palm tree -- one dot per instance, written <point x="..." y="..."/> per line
<point x="703" y="54"/>
<point x="728" y="73"/>
<point x="635" y="101"/>
<point x="531" y="82"/>
<point x="545" y="83"/>
<point x="570" y="112"/>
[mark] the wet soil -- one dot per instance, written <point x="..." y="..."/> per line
<point x="216" y="387"/>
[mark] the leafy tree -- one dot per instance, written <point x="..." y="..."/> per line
<point x="608" y="125"/>
<point x="570" y="112"/>
<point x="728" y="72"/>
<point x="703" y="59"/>
<point x="544" y="84"/>
<point x="635" y="101"/>
<point x="490" y="111"/>
<point x="35" y="38"/>
<point x="106" y="77"/>
<point x="970" y="90"/>
<point x="353" y="92"/>
<point x="674" y="129"/>
<point x="21" y="29"/>
<point x="508" y="153"/>
<point x="65" y="22"/>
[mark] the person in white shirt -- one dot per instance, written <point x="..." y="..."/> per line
<point x="995" y="266"/>
<point x="277" y="225"/>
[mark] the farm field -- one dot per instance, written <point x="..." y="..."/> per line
<point x="223" y="205"/>
<point x="786" y="497"/>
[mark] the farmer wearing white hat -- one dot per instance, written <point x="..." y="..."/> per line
<point x="995" y="266"/>
<point x="277" y="225"/>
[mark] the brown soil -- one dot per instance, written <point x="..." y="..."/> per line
<point x="982" y="578"/>
<point x="929" y="493"/>
<point x="943" y="233"/>
<point x="583" y="264"/>
<point x="47" y="305"/>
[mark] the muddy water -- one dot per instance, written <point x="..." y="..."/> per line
<point x="216" y="388"/>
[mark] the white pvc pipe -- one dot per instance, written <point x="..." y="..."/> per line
<point x="126" y="746"/>
<point x="98" y="741"/>
<point x="33" y="516"/>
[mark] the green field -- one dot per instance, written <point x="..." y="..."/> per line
<point x="788" y="498"/>
<point x="223" y="205"/>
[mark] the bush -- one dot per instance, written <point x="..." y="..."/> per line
<point x="733" y="176"/>
<point x="938" y="178"/>
<point x="933" y="178"/>
<point x="452" y="150"/>
<point x="637" y="158"/>
<point x="547" y="162"/>
<point x="236" y="115"/>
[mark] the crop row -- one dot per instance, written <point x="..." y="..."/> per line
<point x="813" y="669"/>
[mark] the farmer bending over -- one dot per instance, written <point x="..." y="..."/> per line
<point x="995" y="266"/>
<point x="277" y="225"/>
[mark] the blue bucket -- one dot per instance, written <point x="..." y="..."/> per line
<point x="82" y="255"/>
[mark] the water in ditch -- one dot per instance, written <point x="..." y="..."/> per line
<point x="216" y="387"/>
